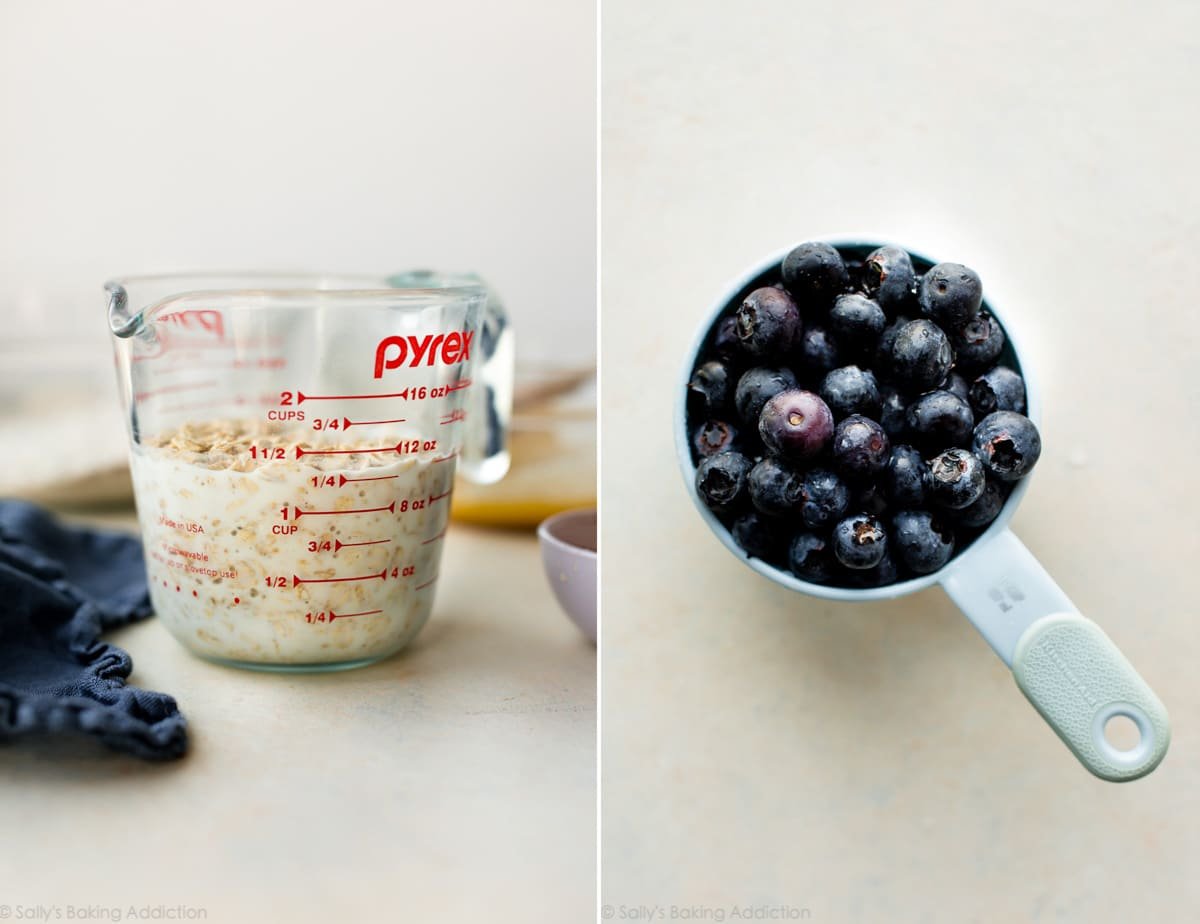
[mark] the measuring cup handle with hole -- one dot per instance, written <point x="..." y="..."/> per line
<point x="1064" y="663"/>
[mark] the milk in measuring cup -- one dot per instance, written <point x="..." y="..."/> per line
<point x="263" y="547"/>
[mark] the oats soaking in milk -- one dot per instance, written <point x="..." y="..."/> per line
<point x="264" y="548"/>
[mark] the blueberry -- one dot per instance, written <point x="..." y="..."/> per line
<point x="824" y="499"/>
<point x="883" y="346"/>
<point x="818" y="351"/>
<point x="860" y="448"/>
<point x="850" y="390"/>
<point x="758" y="535"/>
<point x="725" y="343"/>
<point x="986" y="508"/>
<point x="921" y="355"/>
<point x="998" y="389"/>
<point x="869" y="498"/>
<point x="768" y="323"/>
<point x="810" y="559"/>
<point x="1008" y="444"/>
<point x="923" y="541"/>
<point x="980" y="343"/>
<point x="957" y="385"/>
<point x="889" y="278"/>
<point x="859" y="541"/>
<point x="956" y="479"/>
<point x="881" y="575"/>
<point x="713" y="436"/>
<point x="951" y="294"/>
<point x="857" y="319"/>
<point x="775" y="487"/>
<point x="709" y="389"/>
<point x="795" y="424"/>
<point x="722" y="480"/>
<point x="755" y="388"/>
<point x="892" y="415"/>
<point x="904" y="479"/>
<point x="815" y="273"/>
<point x="939" y="419"/>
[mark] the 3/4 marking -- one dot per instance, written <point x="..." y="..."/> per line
<point x="347" y="423"/>
<point x="440" y="535"/>
<point x="338" y="545"/>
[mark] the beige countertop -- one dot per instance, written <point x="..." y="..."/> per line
<point x="876" y="762"/>
<point x="453" y="782"/>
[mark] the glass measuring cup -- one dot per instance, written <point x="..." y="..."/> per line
<point x="1066" y="666"/>
<point x="293" y="444"/>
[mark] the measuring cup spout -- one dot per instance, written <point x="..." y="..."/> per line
<point x="485" y="457"/>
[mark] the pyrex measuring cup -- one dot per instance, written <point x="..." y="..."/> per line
<point x="1063" y="662"/>
<point x="294" y="442"/>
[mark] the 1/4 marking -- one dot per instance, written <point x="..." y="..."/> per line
<point x="330" y="615"/>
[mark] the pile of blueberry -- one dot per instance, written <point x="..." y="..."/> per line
<point x="858" y="419"/>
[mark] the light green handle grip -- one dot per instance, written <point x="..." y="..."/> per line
<point x="1077" y="679"/>
<point x="1065" y="665"/>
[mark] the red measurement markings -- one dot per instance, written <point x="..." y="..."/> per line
<point x="300" y="451"/>
<point x="342" y="479"/>
<point x="440" y="535"/>
<point x="434" y="498"/>
<point x="256" y="362"/>
<point x="173" y="389"/>
<point x="203" y="405"/>
<point x="390" y="508"/>
<point x="444" y="458"/>
<point x="347" y="423"/>
<point x="338" y="545"/>
<point x="297" y="580"/>
<point x="454" y="417"/>
<point x="432" y="580"/>
<point x="458" y="386"/>
<point x="333" y="615"/>
<point x="301" y="397"/>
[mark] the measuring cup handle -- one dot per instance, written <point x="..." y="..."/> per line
<point x="485" y="456"/>
<point x="1064" y="663"/>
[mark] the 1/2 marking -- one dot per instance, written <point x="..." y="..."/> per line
<point x="297" y="580"/>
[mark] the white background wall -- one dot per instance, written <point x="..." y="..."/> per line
<point x="352" y="136"/>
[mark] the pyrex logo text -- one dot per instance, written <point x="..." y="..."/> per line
<point x="451" y="348"/>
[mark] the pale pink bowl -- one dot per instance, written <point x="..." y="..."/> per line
<point x="568" y="543"/>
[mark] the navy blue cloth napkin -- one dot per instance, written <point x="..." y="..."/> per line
<point x="60" y="588"/>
